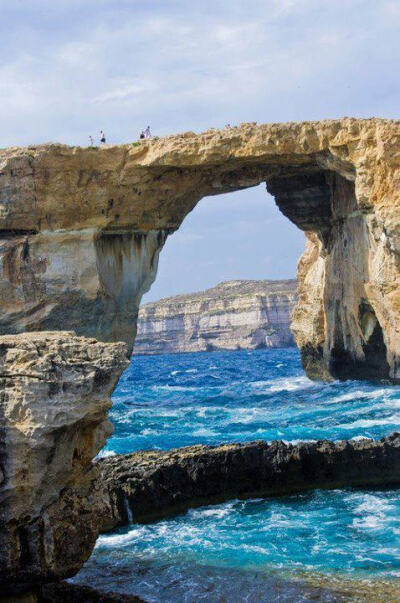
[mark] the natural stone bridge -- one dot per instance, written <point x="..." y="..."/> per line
<point x="81" y="230"/>
<point x="80" y="234"/>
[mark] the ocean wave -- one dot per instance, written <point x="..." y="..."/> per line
<point x="204" y="432"/>
<point x="279" y="384"/>
<point x="174" y="388"/>
<point x="393" y="420"/>
<point x="103" y="454"/>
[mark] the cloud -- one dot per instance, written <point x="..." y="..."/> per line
<point x="69" y="68"/>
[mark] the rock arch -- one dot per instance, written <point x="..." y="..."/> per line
<point x="81" y="230"/>
<point x="80" y="234"/>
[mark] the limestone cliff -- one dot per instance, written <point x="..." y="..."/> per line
<point x="81" y="230"/>
<point x="54" y="398"/>
<point x="231" y="316"/>
<point x="80" y="235"/>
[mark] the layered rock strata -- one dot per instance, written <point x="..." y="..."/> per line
<point x="149" y="485"/>
<point x="231" y="316"/>
<point x="54" y="398"/>
<point x="81" y="230"/>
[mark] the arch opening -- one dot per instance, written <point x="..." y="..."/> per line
<point x="322" y="203"/>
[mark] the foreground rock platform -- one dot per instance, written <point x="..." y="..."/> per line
<point x="149" y="485"/>
<point x="54" y="399"/>
<point x="81" y="230"/>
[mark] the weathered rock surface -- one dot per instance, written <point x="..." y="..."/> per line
<point x="54" y="398"/>
<point x="231" y="316"/>
<point x="148" y="485"/>
<point x="81" y="230"/>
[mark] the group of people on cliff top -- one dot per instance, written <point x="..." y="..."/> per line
<point x="143" y="134"/>
<point x="102" y="139"/>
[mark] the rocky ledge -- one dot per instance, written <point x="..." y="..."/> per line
<point x="149" y="485"/>
<point x="54" y="398"/>
<point x="233" y="315"/>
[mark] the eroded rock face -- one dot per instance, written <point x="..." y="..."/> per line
<point x="54" y="398"/>
<point x="233" y="315"/>
<point x="82" y="229"/>
<point x="82" y="280"/>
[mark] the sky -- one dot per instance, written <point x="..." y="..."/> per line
<point x="69" y="68"/>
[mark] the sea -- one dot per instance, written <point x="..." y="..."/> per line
<point x="276" y="549"/>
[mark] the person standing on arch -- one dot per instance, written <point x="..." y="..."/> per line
<point x="147" y="132"/>
<point x="102" y="137"/>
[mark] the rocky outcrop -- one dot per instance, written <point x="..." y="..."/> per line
<point x="80" y="235"/>
<point x="81" y="230"/>
<point x="149" y="485"/>
<point x="231" y="316"/>
<point x="54" y="398"/>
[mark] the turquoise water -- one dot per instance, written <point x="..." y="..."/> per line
<point x="234" y="548"/>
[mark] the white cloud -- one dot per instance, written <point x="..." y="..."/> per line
<point x="68" y="66"/>
<point x="71" y="67"/>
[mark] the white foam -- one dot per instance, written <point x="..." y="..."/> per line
<point x="218" y="513"/>
<point x="290" y="384"/>
<point x="105" y="453"/>
<point x="148" y="431"/>
<point x="253" y="548"/>
<point x="365" y="394"/>
<point x="365" y="423"/>
<point x="299" y="441"/>
<point x="203" y="432"/>
<point x="374" y="512"/>
<point x="118" y="540"/>
<point x="174" y="388"/>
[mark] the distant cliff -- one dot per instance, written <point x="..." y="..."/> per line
<point x="233" y="315"/>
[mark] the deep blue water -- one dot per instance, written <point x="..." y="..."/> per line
<point x="183" y="399"/>
<point x="234" y="548"/>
